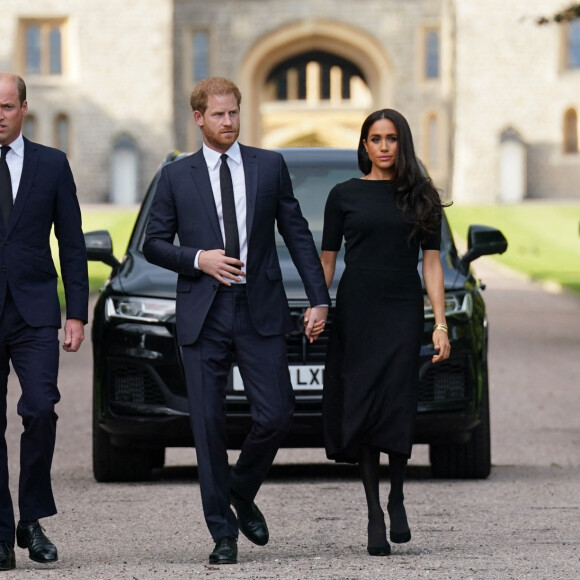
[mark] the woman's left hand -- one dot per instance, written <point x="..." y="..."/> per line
<point x="441" y="344"/>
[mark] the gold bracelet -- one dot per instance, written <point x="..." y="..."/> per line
<point x="442" y="327"/>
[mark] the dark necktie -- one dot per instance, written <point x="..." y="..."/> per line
<point x="6" y="201"/>
<point x="229" y="210"/>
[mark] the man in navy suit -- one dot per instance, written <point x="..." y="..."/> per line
<point x="37" y="192"/>
<point x="224" y="202"/>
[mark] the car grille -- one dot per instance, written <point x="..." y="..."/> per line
<point x="132" y="383"/>
<point x="446" y="381"/>
<point x="298" y="347"/>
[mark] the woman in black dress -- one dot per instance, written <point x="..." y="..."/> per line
<point x="372" y="364"/>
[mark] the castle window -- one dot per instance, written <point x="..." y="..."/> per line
<point x="573" y="44"/>
<point x="55" y="51"/>
<point x="432" y="54"/>
<point x="42" y="46"/>
<point x="570" y="131"/>
<point x="62" y="133"/>
<point x="199" y="55"/>
<point x="125" y="171"/>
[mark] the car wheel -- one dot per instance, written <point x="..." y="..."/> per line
<point x="471" y="460"/>
<point x="111" y="463"/>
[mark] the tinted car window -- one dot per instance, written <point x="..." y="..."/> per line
<point x="312" y="183"/>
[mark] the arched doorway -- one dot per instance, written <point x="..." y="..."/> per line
<point x="312" y="83"/>
<point x="315" y="98"/>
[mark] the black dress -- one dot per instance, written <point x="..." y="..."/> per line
<point x="372" y="375"/>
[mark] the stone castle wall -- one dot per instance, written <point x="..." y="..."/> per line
<point x="127" y="72"/>
<point x="118" y="80"/>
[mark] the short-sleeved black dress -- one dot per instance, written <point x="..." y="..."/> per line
<point x="372" y="375"/>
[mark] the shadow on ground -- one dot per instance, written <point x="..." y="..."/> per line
<point x="303" y="471"/>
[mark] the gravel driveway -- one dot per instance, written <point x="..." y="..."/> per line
<point x="522" y="522"/>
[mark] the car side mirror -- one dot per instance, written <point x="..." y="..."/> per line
<point x="483" y="241"/>
<point x="100" y="248"/>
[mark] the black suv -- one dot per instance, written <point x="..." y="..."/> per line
<point x="140" y="405"/>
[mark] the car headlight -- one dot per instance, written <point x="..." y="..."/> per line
<point x="455" y="305"/>
<point x="141" y="309"/>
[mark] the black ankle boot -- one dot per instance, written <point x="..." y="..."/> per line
<point x="377" y="535"/>
<point x="399" y="532"/>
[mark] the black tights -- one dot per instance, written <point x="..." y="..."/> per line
<point x="369" y="466"/>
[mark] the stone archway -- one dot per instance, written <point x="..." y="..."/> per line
<point x="331" y="37"/>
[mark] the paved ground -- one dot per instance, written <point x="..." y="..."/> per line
<point x="523" y="522"/>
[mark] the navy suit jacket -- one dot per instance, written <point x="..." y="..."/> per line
<point x="46" y="197"/>
<point x="184" y="205"/>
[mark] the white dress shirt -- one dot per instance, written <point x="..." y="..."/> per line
<point x="15" y="159"/>
<point x="213" y="160"/>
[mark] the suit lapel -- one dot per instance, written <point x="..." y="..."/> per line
<point x="202" y="185"/>
<point x="250" y="162"/>
<point x="29" y="167"/>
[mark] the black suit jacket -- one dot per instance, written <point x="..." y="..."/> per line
<point x="46" y="197"/>
<point x="184" y="205"/>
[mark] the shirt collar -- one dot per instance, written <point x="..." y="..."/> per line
<point x="17" y="146"/>
<point x="213" y="157"/>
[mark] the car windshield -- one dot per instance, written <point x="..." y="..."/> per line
<point x="312" y="181"/>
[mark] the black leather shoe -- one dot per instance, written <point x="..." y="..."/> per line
<point x="7" y="559"/>
<point x="225" y="551"/>
<point x="40" y="548"/>
<point x="251" y="522"/>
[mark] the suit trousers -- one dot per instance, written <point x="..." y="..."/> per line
<point x="227" y="335"/>
<point x="34" y="353"/>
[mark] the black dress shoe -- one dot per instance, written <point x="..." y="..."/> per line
<point x="225" y="551"/>
<point x="251" y="522"/>
<point x="40" y="548"/>
<point x="7" y="559"/>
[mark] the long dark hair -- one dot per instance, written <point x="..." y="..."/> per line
<point x="417" y="197"/>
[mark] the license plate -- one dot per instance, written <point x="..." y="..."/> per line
<point x="303" y="378"/>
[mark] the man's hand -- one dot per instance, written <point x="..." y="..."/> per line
<point x="74" y="334"/>
<point x="314" y="321"/>
<point x="223" y="268"/>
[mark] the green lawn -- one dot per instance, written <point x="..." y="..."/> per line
<point x="119" y="223"/>
<point x="543" y="239"/>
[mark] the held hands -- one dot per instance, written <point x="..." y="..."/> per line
<point x="441" y="344"/>
<point x="314" y="321"/>
<point x="74" y="334"/>
<point x="223" y="268"/>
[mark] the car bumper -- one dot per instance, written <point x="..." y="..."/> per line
<point x="141" y="398"/>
